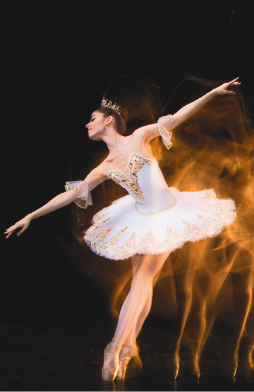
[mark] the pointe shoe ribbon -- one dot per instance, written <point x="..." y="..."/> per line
<point x="114" y="346"/>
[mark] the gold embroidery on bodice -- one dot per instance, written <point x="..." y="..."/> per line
<point x="136" y="162"/>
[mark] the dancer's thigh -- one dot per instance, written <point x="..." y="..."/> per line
<point x="148" y="265"/>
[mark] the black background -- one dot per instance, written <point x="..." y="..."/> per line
<point x="57" y="59"/>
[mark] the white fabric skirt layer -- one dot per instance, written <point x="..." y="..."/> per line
<point x="119" y="231"/>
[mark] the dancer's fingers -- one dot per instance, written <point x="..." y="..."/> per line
<point x="10" y="231"/>
<point x="21" y="231"/>
<point x="234" y="80"/>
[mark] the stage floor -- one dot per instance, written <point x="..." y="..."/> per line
<point x="69" y="356"/>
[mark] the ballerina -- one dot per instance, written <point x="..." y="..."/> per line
<point x="148" y="224"/>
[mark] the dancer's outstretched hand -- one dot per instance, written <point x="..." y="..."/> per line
<point x="24" y="223"/>
<point x="223" y="89"/>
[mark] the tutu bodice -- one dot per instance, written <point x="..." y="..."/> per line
<point x="144" y="181"/>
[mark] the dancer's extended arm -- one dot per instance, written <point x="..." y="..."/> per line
<point x="94" y="178"/>
<point x="151" y="131"/>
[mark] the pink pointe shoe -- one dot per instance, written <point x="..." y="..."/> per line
<point x="133" y="352"/>
<point x="114" y="346"/>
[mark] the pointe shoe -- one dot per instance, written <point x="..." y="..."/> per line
<point x="133" y="352"/>
<point x="113" y="346"/>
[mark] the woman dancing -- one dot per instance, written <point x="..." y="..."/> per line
<point x="146" y="225"/>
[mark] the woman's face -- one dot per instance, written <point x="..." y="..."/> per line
<point x="96" y="126"/>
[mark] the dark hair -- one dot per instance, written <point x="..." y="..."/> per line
<point x="120" y="119"/>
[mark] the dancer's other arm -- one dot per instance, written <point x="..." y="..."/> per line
<point x="151" y="131"/>
<point x="94" y="178"/>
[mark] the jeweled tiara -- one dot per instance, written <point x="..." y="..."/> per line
<point x="108" y="104"/>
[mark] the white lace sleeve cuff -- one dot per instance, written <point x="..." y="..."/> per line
<point x="166" y="135"/>
<point x="82" y="191"/>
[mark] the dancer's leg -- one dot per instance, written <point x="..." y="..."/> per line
<point x="138" y="302"/>
<point x="143" y="315"/>
<point x="131" y="338"/>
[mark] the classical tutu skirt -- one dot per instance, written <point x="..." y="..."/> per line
<point x="120" y="230"/>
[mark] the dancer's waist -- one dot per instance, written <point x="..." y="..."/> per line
<point x="152" y="205"/>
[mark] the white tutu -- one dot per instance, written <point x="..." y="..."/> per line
<point x="120" y="232"/>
